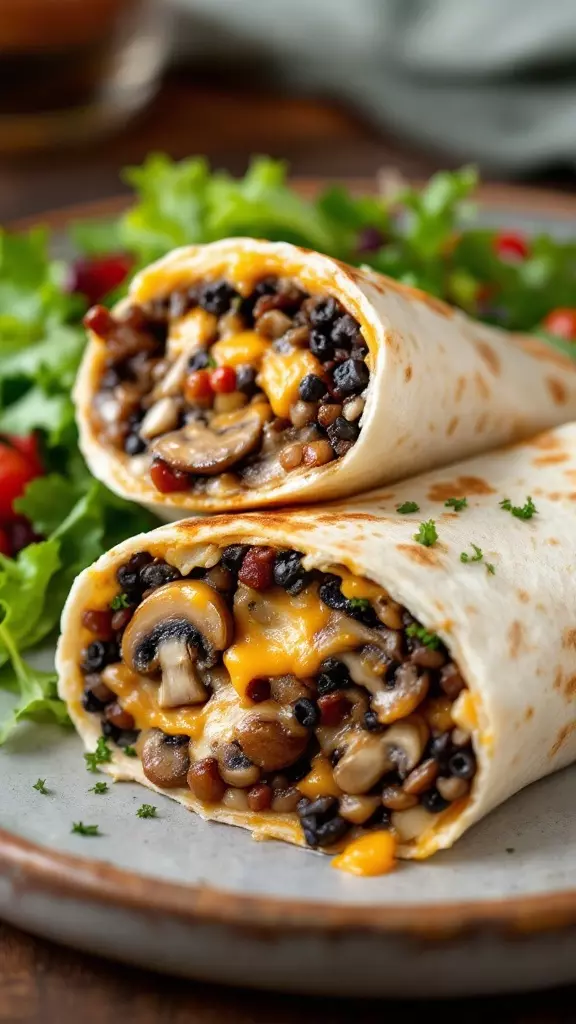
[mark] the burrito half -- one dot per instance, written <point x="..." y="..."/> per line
<point x="403" y="664"/>
<point x="248" y="373"/>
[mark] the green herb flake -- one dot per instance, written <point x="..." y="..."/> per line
<point x="102" y="755"/>
<point x="407" y="507"/>
<point x="490" y="568"/>
<point x="456" y="503"/>
<point x="119" y="601"/>
<point x="130" y="751"/>
<point x="427" y="533"/>
<point x="431" y="640"/>
<point x="525" y="511"/>
<point x="146" y="811"/>
<point x="40" y="787"/>
<point x="79" y="829"/>
<point x="360" y="604"/>
<point x="99" y="788"/>
<point x="476" y="557"/>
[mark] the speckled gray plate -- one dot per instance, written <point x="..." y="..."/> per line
<point x="496" y="913"/>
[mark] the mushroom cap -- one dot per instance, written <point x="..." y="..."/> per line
<point x="182" y="610"/>
<point x="211" y="449"/>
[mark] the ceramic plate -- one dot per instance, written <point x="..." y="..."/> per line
<point x="174" y="893"/>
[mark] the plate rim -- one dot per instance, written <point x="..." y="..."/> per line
<point x="37" y="868"/>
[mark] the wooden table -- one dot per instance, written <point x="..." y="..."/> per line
<point x="39" y="982"/>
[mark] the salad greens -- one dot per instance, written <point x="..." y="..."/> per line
<point x="417" y="236"/>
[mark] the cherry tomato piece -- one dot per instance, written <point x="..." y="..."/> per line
<point x="29" y="448"/>
<point x="223" y="380"/>
<point x="5" y="548"/>
<point x="100" y="320"/>
<point x="166" y="479"/>
<point x="20" y="534"/>
<point x="511" y="247"/>
<point x="15" y="473"/>
<point x="99" y="275"/>
<point x="562" y="323"/>
<point x="197" y="386"/>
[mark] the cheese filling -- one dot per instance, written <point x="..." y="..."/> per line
<point x="265" y="687"/>
<point x="219" y="387"/>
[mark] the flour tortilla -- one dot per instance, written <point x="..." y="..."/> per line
<point x="443" y="386"/>
<point x="513" y="633"/>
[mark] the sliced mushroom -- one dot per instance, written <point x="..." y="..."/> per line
<point x="365" y="761"/>
<point x="178" y="629"/>
<point x="367" y="667"/>
<point x="405" y="742"/>
<point x="208" y="450"/>
<point x="235" y="767"/>
<point x="161" y="417"/>
<point x="267" y="743"/>
<point x="165" y="759"/>
<point x="410" y="688"/>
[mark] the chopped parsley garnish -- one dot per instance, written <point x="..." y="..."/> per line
<point x="40" y="786"/>
<point x="102" y="755"/>
<point x="427" y="534"/>
<point x="119" y="601"/>
<point x="525" y="511"/>
<point x="146" y="811"/>
<point x="359" y="604"/>
<point x="407" y="507"/>
<point x="99" y="788"/>
<point x="431" y="640"/>
<point x="211" y="361"/>
<point x="476" y="557"/>
<point x="85" y="830"/>
<point x="490" y="567"/>
<point x="130" y="751"/>
<point x="456" y="503"/>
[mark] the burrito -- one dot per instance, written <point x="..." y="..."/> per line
<point x="399" y="665"/>
<point x="247" y="373"/>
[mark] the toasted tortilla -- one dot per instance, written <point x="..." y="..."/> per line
<point x="512" y="632"/>
<point x="443" y="387"/>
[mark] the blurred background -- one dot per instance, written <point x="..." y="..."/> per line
<point x="337" y="87"/>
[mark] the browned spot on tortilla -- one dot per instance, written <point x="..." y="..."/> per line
<point x="558" y="679"/>
<point x="481" y="422"/>
<point x="570" y="473"/>
<point x="460" y="388"/>
<point x="564" y="734"/>
<point x="481" y="385"/>
<point x="554" y="495"/>
<point x="570" y="688"/>
<point x="515" y="637"/>
<point x="489" y="356"/>
<point x="415" y="293"/>
<point x="524" y="596"/>
<point x="551" y="460"/>
<point x="462" y="487"/>
<point x="471" y="609"/>
<point x="557" y="390"/>
<point x="327" y="518"/>
<point x="529" y="713"/>
<point x="547" y="440"/>
<point x="408" y="373"/>
<point x="420" y="554"/>
<point x="569" y="638"/>
<point x="541" y="350"/>
<point x="452" y="425"/>
<point x="553" y="540"/>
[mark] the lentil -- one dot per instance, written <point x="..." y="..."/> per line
<point x="291" y="456"/>
<point x="318" y="453"/>
<point x="260" y="797"/>
<point x="354" y="409"/>
<point x="205" y="781"/>
<point x="328" y="413"/>
<point x="452" y="788"/>
<point x="421" y="777"/>
<point x="396" y="799"/>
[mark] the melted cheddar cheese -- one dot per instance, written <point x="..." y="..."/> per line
<point x="245" y="348"/>
<point x="281" y="375"/>
<point x="192" y="331"/>
<point x="371" y="854"/>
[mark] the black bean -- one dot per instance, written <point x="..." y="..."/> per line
<point x="288" y="572"/>
<point x="233" y="556"/>
<point x="433" y="802"/>
<point x="134" y="445"/>
<point x="352" y="376"/>
<point x="177" y="740"/>
<point x="295" y="772"/>
<point x="360" y="348"/>
<point x="111" y="732"/>
<point x="331" y="594"/>
<point x="440" y="748"/>
<point x="331" y="831"/>
<point x="371" y="722"/>
<point x="128" y="575"/>
<point x="306" y="713"/>
<point x="312" y="388"/>
<point x="334" y="676"/>
<point x="321" y="346"/>
<point x="462" y="764"/>
<point x="217" y="297"/>
<point x="91" y="703"/>
<point x="325" y="311"/>
<point x="235" y="757"/>
<point x="318" y="808"/>
<point x="380" y="819"/>
<point x="128" y="737"/>
<point x="157" y="574"/>
<point x="345" y="331"/>
<point x="98" y="654"/>
<point x="342" y="430"/>
<point x="246" y="380"/>
<point x="199" y="361"/>
<point x="110" y="379"/>
<point x="309" y="834"/>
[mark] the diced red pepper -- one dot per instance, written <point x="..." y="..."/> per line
<point x="97" y="276"/>
<point x="166" y="479"/>
<point x="256" y="569"/>
<point x="15" y="473"/>
<point x="198" y="386"/>
<point x="562" y="323"/>
<point x="99" y="320"/>
<point x="223" y="380"/>
<point x="28" y="447"/>
<point x="511" y="247"/>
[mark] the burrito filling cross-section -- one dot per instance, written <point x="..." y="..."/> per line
<point x="270" y="687"/>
